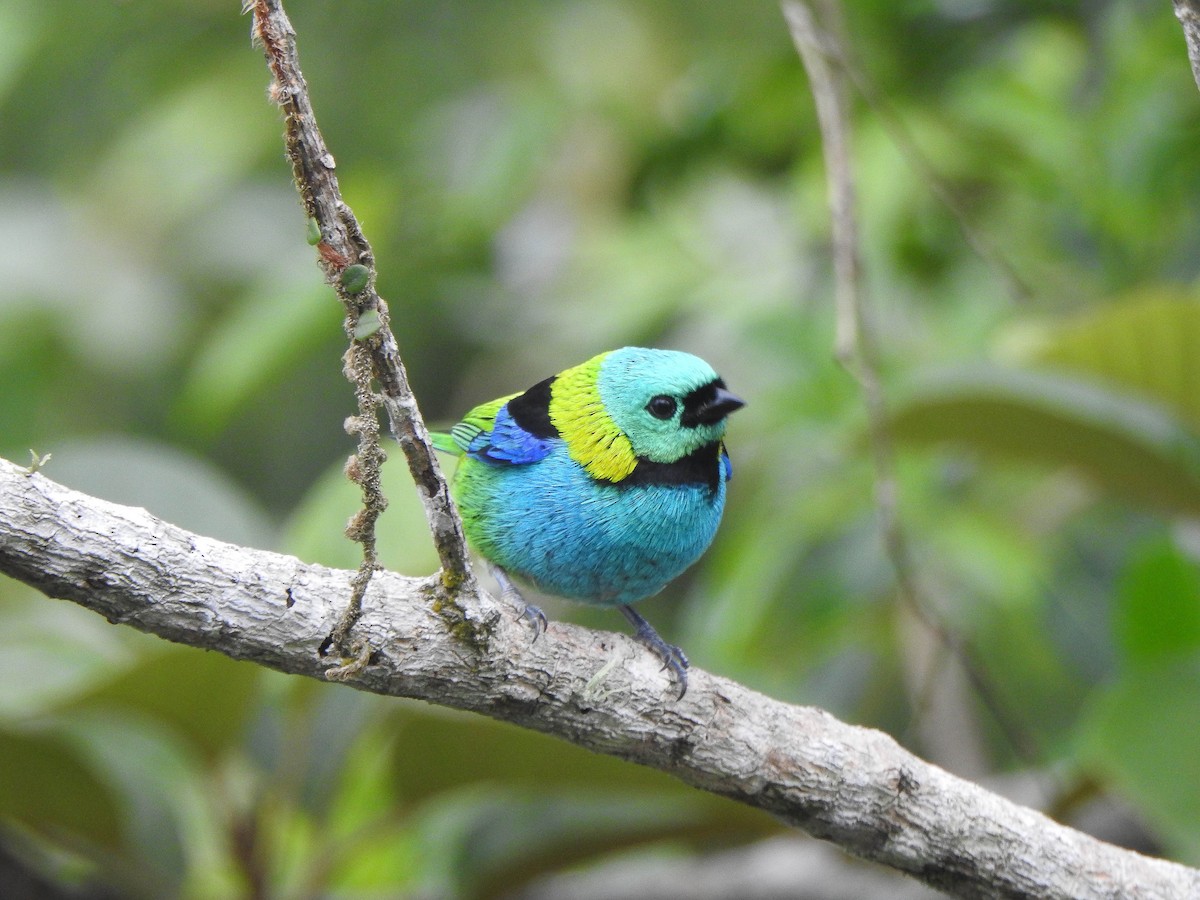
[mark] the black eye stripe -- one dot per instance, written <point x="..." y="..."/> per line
<point x="702" y="395"/>
<point x="698" y="402"/>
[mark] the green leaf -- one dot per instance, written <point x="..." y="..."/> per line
<point x="1158" y="611"/>
<point x="169" y="160"/>
<point x="492" y="842"/>
<point x="56" y="651"/>
<point x="354" y="278"/>
<point x="368" y="324"/>
<point x="524" y="790"/>
<point x="380" y="861"/>
<point x="257" y="342"/>
<point x="1142" y="733"/>
<point x="1145" y="346"/>
<point x="195" y="694"/>
<point x="19" y="28"/>
<point x="532" y="802"/>
<point x="153" y="777"/>
<point x="174" y="485"/>
<point x="447" y="746"/>
<point x="1128" y="447"/>
<point x="45" y="786"/>
<point x="315" y="530"/>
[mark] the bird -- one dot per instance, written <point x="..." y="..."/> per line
<point x="600" y="484"/>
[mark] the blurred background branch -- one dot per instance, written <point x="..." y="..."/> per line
<point x="856" y="347"/>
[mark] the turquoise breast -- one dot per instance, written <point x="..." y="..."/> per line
<point x="553" y="526"/>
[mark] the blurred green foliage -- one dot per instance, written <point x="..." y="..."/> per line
<point x="541" y="181"/>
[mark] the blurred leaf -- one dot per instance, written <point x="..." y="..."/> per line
<point x="316" y="530"/>
<point x="366" y="789"/>
<point x="376" y="840"/>
<point x="324" y="728"/>
<point x="253" y="346"/>
<point x="1144" y="345"/>
<point x="150" y="772"/>
<point x="19" y="25"/>
<point x="529" y="801"/>
<point x="481" y="148"/>
<point x="993" y="561"/>
<point x="437" y="751"/>
<point x="170" y="161"/>
<point x="1133" y="449"/>
<point x="381" y="861"/>
<point x="111" y="296"/>
<point x="291" y="840"/>
<point x="174" y="485"/>
<point x="492" y="839"/>
<point x="56" y="651"/>
<point x="1026" y="653"/>
<point x="202" y="698"/>
<point x="1158" y="611"/>
<point x="45" y="785"/>
<point x="1142" y="733"/>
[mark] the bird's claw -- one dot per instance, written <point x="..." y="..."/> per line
<point x="536" y="618"/>
<point x="672" y="657"/>
<point x="509" y="592"/>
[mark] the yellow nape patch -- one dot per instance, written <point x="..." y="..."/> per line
<point x="592" y="437"/>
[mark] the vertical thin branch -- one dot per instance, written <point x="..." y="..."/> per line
<point x="906" y="143"/>
<point x="854" y="345"/>
<point x="1188" y="14"/>
<point x="349" y="266"/>
<point x="856" y="348"/>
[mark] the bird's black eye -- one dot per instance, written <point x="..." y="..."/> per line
<point x="662" y="406"/>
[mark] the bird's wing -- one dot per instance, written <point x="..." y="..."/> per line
<point x="489" y="433"/>
<point x="473" y="432"/>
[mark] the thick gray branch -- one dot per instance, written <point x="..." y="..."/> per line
<point x="853" y="786"/>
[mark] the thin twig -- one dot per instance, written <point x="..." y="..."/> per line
<point x="363" y="468"/>
<point x="1188" y="14"/>
<point x="839" y="51"/>
<point x="856" y="347"/>
<point x="349" y="266"/>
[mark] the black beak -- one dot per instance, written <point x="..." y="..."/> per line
<point x="717" y="407"/>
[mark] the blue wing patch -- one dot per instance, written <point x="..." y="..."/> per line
<point x="507" y="442"/>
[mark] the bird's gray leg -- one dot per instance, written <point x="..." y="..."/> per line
<point x="673" y="658"/>
<point x="509" y="592"/>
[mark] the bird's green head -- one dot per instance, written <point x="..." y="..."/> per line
<point x="635" y="402"/>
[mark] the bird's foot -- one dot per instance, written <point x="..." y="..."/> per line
<point x="536" y="618"/>
<point x="672" y="657"/>
<point x="509" y="592"/>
